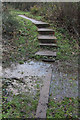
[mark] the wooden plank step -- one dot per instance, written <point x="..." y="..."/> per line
<point x="47" y="38"/>
<point x="48" y="44"/>
<point x="48" y="60"/>
<point x="42" y="24"/>
<point x="45" y="31"/>
<point x="46" y="53"/>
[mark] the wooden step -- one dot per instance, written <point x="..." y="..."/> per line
<point x="47" y="38"/>
<point x="48" y="44"/>
<point x="42" y="24"/>
<point x="48" y="60"/>
<point x="45" y="31"/>
<point x="46" y="53"/>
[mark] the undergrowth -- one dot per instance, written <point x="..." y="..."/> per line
<point x="66" y="108"/>
<point x="67" y="43"/>
<point x="21" y="106"/>
<point x="22" y="42"/>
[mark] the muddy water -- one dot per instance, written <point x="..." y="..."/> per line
<point x="26" y="76"/>
<point x="30" y="68"/>
<point x="64" y="83"/>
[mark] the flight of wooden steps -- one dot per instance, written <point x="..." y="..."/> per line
<point x="46" y="39"/>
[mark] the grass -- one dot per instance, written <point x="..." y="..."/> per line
<point x="22" y="46"/>
<point x="24" y="43"/>
<point x="67" y="45"/>
<point x="21" y="106"/>
<point x="28" y="14"/>
<point x="65" y="108"/>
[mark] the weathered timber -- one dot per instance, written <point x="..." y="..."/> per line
<point x="45" y="31"/>
<point x="42" y="24"/>
<point x="44" y="96"/>
<point x="47" y="38"/>
<point x="46" y="53"/>
<point x="48" y="44"/>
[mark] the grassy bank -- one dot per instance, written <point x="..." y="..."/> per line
<point x="20" y="44"/>
<point x="28" y="14"/>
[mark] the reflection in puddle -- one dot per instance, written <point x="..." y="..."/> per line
<point x="27" y="77"/>
<point x="27" y="69"/>
<point x="33" y="72"/>
<point x="63" y="85"/>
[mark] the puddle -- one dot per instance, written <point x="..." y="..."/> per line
<point x="64" y="84"/>
<point x="31" y="68"/>
<point x="27" y="77"/>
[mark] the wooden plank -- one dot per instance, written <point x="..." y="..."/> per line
<point x="48" y="44"/>
<point x="48" y="60"/>
<point x="47" y="37"/>
<point x="46" y="53"/>
<point x="40" y="23"/>
<point x="36" y="22"/>
<point x="45" y="29"/>
<point x="44" y="96"/>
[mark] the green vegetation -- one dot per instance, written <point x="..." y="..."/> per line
<point x="28" y="14"/>
<point x="22" y="42"/>
<point x="66" y="108"/>
<point x="21" y="106"/>
<point x="67" y="44"/>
